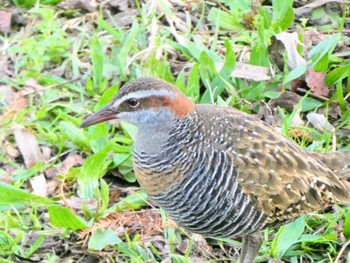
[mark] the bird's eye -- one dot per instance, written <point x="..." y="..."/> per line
<point x="133" y="102"/>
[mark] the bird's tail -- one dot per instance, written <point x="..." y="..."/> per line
<point x="338" y="162"/>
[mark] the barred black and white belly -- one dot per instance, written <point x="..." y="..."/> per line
<point x="210" y="202"/>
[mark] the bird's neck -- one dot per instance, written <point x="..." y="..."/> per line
<point x="154" y="133"/>
<point x="151" y="141"/>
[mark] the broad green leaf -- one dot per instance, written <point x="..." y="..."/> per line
<point x="156" y="68"/>
<point x="63" y="217"/>
<point x="319" y="54"/>
<point x="310" y="104"/>
<point x="310" y="238"/>
<point x="94" y="167"/>
<point x="287" y="236"/>
<point x="97" y="61"/>
<point x="193" y="86"/>
<point x="283" y="15"/>
<point x="216" y="79"/>
<point x="264" y="12"/>
<point x="119" y="158"/>
<point x="102" y="238"/>
<point x="102" y="24"/>
<point x="259" y="56"/>
<point x="228" y="21"/>
<point x="4" y="260"/>
<point x="295" y="73"/>
<point x="130" y="129"/>
<point x="180" y="81"/>
<point x="132" y="202"/>
<point x="74" y="134"/>
<point x="35" y="246"/>
<point x="11" y="196"/>
<point x="337" y="74"/>
<point x="322" y="64"/>
<point x="98" y="137"/>
<point x="128" y="44"/>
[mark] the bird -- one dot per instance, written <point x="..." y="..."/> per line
<point x="220" y="172"/>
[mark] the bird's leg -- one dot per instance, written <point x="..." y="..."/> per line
<point x="250" y="247"/>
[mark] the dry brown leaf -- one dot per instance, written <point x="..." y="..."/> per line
<point x="126" y="17"/>
<point x="15" y="100"/>
<point x="7" y="93"/>
<point x="286" y="100"/>
<point x="297" y="121"/>
<point x="316" y="82"/>
<point x="312" y="37"/>
<point x="8" y="169"/>
<point x="314" y="4"/>
<point x="39" y="185"/>
<point x="5" y="21"/>
<point x="332" y="110"/>
<point x="288" y="42"/>
<point x="251" y="72"/>
<point x="145" y="222"/>
<point x="28" y="145"/>
<point x="320" y="122"/>
<point x="76" y="203"/>
<point x="31" y="86"/>
<point x="10" y="150"/>
<point x="248" y="71"/>
<point x="4" y="70"/>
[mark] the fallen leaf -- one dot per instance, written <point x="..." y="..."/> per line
<point x="288" y="42"/>
<point x="28" y="146"/>
<point x="125" y="18"/>
<point x="10" y="150"/>
<point x="4" y="64"/>
<point x="332" y="111"/>
<point x="15" y="100"/>
<point x="320" y="122"/>
<point x="39" y="185"/>
<point x="7" y="172"/>
<point x="31" y="86"/>
<point x="287" y="100"/>
<point x="316" y="82"/>
<point x="314" y="4"/>
<point x="251" y="72"/>
<point x="248" y="71"/>
<point x="5" y="21"/>
<point x="71" y="161"/>
<point x="312" y="37"/>
<point x="7" y="93"/>
<point x="146" y="222"/>
<point x="76" y="203"/>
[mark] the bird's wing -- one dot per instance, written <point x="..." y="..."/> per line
<point x="280" y="177"/>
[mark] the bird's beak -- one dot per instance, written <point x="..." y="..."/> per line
<point x="105" y="114"/>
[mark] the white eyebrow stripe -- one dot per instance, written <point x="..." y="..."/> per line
<point x="144" y="93"/>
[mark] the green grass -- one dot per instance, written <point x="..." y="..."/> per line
<point x="65" y="64"/>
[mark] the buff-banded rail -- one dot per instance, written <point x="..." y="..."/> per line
<point x="219" y="172"/>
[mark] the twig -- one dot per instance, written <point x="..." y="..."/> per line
<point x="337" y="260"/>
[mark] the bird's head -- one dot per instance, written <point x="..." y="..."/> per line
<point x="145" y="101"/>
